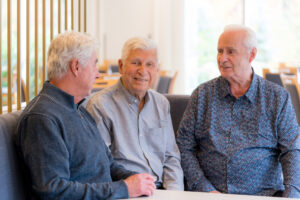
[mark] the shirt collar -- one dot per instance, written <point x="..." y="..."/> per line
<point x="131" y="99"/>
<point x="224" y="88"/>
<point x="58" y="95"/>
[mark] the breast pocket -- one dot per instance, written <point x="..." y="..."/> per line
<point x="155" y="134"/>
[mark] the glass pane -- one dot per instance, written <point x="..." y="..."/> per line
<point x="277" y="25"/>
<point x="204" y="21"/>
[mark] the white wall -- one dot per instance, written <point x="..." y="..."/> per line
<point x="115" y="21"/>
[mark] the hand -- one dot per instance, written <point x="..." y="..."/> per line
<point x="215" y="191"/>
<point x="140" y="184"/>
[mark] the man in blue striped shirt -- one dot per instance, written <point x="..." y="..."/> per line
<point x="239" y="133"/>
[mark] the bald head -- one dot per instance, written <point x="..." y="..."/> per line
<point x="243" y="33"/>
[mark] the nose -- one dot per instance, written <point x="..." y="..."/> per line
<point x="222" y="57"/>
<point x="142" y="69"/>
<point x="97" y="75"/>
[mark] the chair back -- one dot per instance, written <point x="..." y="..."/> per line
<point x="113" y="69"/>
<point x="178" y="105"/>
<point x="164" y="84"/>
<point x="292" y="89"/>
<point x="12" y="183"/>
<point x="274" y="78"/>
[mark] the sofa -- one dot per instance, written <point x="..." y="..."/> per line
<point x="12" y="184"/>
<point x="12" y="181"/>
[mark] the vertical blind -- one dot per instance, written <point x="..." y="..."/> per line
<point x="26" y="29"/>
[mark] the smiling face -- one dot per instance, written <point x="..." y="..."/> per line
<point x="139" y="71"/>
<point x="234" y="58"/>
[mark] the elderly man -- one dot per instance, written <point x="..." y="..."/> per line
<point x="135" y="121"/>
<point x="63" y="153"/>
<point x="239" y="133"/>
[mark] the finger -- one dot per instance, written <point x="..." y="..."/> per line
<point x="148" y="176"/>
<point x="150" y="184"/>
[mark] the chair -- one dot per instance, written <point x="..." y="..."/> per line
<point x="292" y="89"/>
<point x="178" y="105"/>
<point x="274" y="78"/>
<point x="112" y="69"/>
<point x="166" y="82"/>
<point x="12" y="181"/>
<point x="163" y="85"/>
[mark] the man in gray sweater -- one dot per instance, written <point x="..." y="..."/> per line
<point x="63" y="152"/>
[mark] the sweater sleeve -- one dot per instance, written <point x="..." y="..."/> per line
<point x="46" y="156"/>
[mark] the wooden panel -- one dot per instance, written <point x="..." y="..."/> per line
<point x="18" y="57"/>
<point x="9" y="94"/>
<point x="1" y="96"/>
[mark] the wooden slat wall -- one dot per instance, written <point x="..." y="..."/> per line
<point x="18" y="56"/>
<point x="1" y="104"/>
<point x="14" y="81"/>
<point x="9" y="94"/>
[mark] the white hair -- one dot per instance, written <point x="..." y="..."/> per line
<point x="250" y="37"/>
<point x="138" y="43"/>
<point x="66" y="47"/>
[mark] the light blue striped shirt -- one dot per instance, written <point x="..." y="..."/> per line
<point x="142" y="142"/>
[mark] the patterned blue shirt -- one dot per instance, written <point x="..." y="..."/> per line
<point x="242" y="145"/>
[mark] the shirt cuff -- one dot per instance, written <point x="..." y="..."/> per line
<point x="119" y="190"/>
<point x="205" y="187"/>
<point x="291" y="192"/>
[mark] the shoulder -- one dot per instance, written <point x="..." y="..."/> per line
<point x="101" y="98"/>
<point x="206" y="89"/>
<point x="271" y="90"/>
<point x="42" y="106"/>
<point x="158" y="97"/>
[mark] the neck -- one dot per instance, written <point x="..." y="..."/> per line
<point x="65" y="86"/>
<point x="141" y="104"/>
<point x="240" y="86"/>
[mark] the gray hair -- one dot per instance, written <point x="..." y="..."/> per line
<point x="250" y="37"/>
<point x="138" y="43"/>
<point x="66" y="47"/>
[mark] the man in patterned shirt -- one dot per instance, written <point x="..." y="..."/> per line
<point x="239" y="133"/>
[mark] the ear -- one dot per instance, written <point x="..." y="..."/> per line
<point x="74" y="66"/>
<point x="121" y="66"/>
<point x="252" y="54"/>
<point x="158" y="68"/>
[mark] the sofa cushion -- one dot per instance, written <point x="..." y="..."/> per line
<point x="11" y="180"/>
<point x="178" y="104"/>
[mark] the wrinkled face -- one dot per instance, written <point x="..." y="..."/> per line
<point x="234" y="59"/>
<point x="88" y="75"/>
<point x="139" y="71"/>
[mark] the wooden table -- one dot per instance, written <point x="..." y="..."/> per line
<point x="106" y="80"/>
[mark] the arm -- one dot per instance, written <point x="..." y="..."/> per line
<point x="47" y="157"/>
<point x="172" y="171"/>
<point x="289" y="145"/>
<point x="195" y="178"/>
<point x="137" y="184"/>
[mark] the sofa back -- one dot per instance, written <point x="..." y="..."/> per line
<point x="178" y="104"/>
<point x="12" y="184"/>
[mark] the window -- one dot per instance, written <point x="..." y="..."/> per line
<point x="23" y="60"/>
<point x="275" y="22"/>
